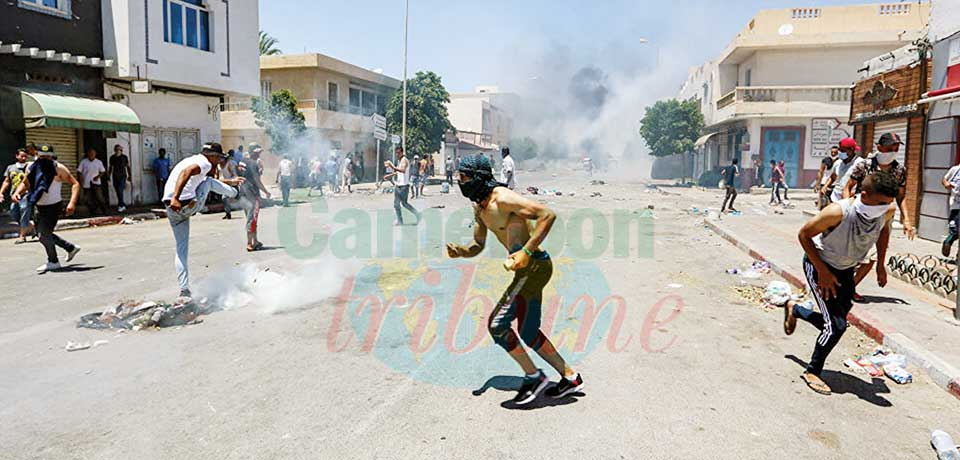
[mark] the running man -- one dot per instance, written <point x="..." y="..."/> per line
<point x="41" y="187"/>
<point x="250" y="191"/>
<point x="191" y="181"/>
<point x="730" y="174"/>
<point x="401" y="190"/>
<point x="835" y="242"/>
<point x="508" y="216"/>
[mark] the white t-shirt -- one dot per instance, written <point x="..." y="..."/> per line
<point x="953" y="176"/>
<point x="401" y="177"/>
<point x="286" y="168"/>
<point x="89" y="171"/>
<point x="843" y="171"/>
<point x="508" y="174"/>
<point x="190" y="190"/>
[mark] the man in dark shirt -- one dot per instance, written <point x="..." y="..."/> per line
<point x="776" y="179"/>
<point x="119" y="175"/>
<point x="730" y="174"/>
<point x="250" y="195"/>
<point x="826" y="166"/>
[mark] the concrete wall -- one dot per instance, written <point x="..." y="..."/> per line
<point x="133" y="37"/>
<point x="164" y="111"/>
<point x="808" y="67"/>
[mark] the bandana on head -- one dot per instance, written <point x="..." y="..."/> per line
<point x="481" y="182"/>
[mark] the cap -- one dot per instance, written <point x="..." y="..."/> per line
<point x="45" y="150"/>
<point x="848" y="143"/>
<point x="213" y="147"/>
<point x="888" y="139"/>
<point x="256" y="149"/>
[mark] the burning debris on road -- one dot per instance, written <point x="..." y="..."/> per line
<point x="141" y="315"/>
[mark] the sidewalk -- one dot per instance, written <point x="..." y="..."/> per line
<point x="901" y="316"/>
<point x="9" y="230"/>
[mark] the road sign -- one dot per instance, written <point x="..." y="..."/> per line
<point x="395" y="139"/>
<point x="379" y="121"/>
<point x="379" y="133"/>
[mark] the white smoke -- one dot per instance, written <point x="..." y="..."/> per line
<point x="271" y="291"/>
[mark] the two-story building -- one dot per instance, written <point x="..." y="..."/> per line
<point x="486" y="111"/>
<point x="175" y="61"/>
<point x="51" y="80"/>
<point x="781" y="89"/>
<point x="336" y="98"/>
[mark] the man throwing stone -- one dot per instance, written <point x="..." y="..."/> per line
<point x="185" y="194"/>
<point x="835" y="241"/>
<point x="507" y="215"/>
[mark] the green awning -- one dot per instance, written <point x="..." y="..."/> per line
<point x="56" y="111"/>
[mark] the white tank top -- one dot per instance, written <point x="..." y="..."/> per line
<point x="402" y="176"/>
<point x="52" y="195"/>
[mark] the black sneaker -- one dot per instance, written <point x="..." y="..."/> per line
<point x="531" y="388"/>
<point x="565" y="387"/>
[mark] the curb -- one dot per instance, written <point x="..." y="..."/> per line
<point x="942" y="373"/>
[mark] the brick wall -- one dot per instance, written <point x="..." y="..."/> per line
<point x="914" y="159"/>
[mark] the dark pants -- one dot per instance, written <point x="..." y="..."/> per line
<point x="731" y="195"/>
<point x="832" y="318"/>
<point x="775" y="194"/>
<point x="522" y="301"/>
<point x="47" y="217"/>
<point x="93" y="198"/>
<point x="400" y="195"/>
<point x="160" y="184"/>
<point x="119" y="185"/>
<point x="450" y="177"/>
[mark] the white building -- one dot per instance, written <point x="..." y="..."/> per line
<point x="485" y="111"/>
<point x="781" y="89"/>
<point x="174" y="62"/>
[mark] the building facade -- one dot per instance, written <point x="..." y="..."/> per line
<point x="175" y="61"/>
<point x="336" y="98"/>
<point x="885" y="99"/>
<point x="51" y="80"/>
<point x="781" y="89"/>
<point x="942" y="104"/>
<point x="486" y="111"/>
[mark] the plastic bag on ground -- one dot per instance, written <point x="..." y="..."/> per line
<point x="777" y="293"/>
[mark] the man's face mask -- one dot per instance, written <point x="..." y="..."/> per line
<point x="844" y="155"/>
<point x="869" y="212"/>
<point x="886" y="158"/>
<point x="473" y="188"/>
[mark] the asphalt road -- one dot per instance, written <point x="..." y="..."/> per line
<point x="694" y="371"/>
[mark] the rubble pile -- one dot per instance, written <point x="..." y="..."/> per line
<point x="134" y="315"/>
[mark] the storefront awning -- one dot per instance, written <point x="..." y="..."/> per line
<point x="703" y="140"/>
<point x="943" y="95"/>
<point x="56" y="111"/>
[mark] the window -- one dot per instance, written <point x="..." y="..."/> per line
<point x="61" y="8"/>
<point x="355" y="100"/>
<point x="333" y="96"/>
<point x="381" y="104"/>
<point x="747" y="78"/>
<point x="186" y="22"/>
<point x="369" y="103"/>
<point x="266" y="88"/>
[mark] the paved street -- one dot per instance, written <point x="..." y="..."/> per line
<point x="694" y="369"/>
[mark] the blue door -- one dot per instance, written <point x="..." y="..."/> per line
<point x="783" y="144"/>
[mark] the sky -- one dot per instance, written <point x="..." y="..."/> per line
<point x="500" y="42"/>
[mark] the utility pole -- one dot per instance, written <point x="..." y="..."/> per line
<point x="406" y="17"/>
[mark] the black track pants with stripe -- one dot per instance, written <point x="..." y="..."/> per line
<point x="831" y="320"/>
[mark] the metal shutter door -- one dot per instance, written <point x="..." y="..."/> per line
<point x="898" y="127"/>
<point x="65" y="145"/>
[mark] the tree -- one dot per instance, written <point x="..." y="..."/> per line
<point x="268" y="45"/>
<point x="671" y="127"/>
<point x="279" y="116"/>
<point x="426" y="113"/>
<point x="523" y="148"/>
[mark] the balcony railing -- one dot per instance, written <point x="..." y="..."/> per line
<point x="305" y="104"/>
<point x="829" y="94"/>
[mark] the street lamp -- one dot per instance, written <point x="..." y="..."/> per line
<point x="406" y="16"/>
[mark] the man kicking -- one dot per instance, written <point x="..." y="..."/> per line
<point x="185" y="193"/>
<point x="507" y="215"/>
<point x="835" y="242"/>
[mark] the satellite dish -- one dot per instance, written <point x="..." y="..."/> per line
<point x="785" y="29"/>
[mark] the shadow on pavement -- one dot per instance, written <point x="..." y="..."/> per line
<point x="882" y="299"/>
<point x="841" y="383"/>
<point x="76" y="268"/>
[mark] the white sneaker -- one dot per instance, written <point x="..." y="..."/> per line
<point x="47" y="267"/>
<point x="121" y="209"/>
<point x="73" y="253"/>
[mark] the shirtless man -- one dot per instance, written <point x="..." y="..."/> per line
<point x="835" y="242"/>
<point x="507" y="215"/>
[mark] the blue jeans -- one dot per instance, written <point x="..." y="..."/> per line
<point x="286" y="183"/>
<point x="180" y="223"/>
<point x="22" y="213"/>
